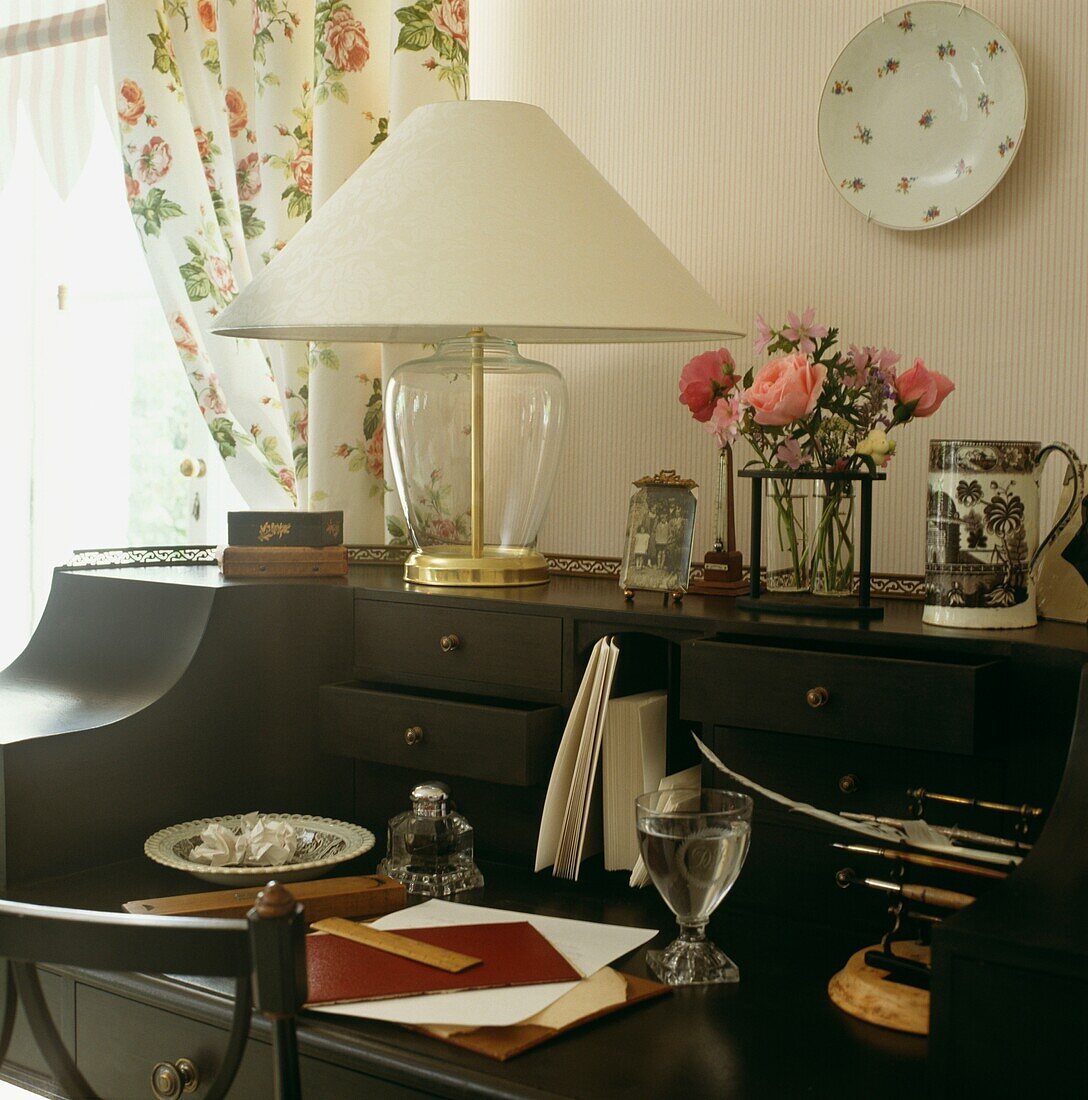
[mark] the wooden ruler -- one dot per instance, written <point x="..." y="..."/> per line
<point x="438" y="957"/>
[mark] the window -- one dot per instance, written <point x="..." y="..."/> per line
<point x="100" y="418"/>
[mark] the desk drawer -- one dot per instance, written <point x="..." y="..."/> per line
<point x="511" y="743"/>
<point x="845" y="696"/>
<point x="403" y="643"/>
<point x="841" y="776"/>
<point x="119" y="1041"/>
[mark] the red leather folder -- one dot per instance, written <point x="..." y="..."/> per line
<point x="512" y="954"/>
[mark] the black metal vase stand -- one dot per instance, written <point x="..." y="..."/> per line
<point x="856" y="607"/>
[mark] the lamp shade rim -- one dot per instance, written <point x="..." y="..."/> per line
<point x="526" y="334"/>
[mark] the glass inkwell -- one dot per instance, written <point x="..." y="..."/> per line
<point x="430" y="846"/>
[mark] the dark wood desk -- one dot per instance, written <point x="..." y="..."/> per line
<point x="153" y="695"/>
<point x="776" y="1034"/>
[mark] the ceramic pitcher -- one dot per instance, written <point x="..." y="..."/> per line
<point x="982" y="530"/>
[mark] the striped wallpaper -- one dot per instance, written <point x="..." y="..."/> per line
<point x="702" y="113"/>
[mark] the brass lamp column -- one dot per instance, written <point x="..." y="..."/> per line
<point x="477" y="335"/>
<point x="474" y="224"/>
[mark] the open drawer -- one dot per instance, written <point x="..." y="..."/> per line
<point x="512" y="743"/>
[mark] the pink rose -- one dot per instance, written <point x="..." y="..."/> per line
<point x="237" y="113"/>
<point x="375" y="456"/>
<point x="220" y="273"/>
<point x="132" y="189"/>
<point x="248" y="175"/>
<point x="451" y="17"/>
<point x="724" y="421"/>
<point x="154" y="161"/>
<point x="203" y="146"/>
<point x="704" y="379"/>
<point x="130" y="103"/>
<point x="346" y="45"/>
<point x="786" y="389"/>
<point x="923" y="391"/>
<point x="286" y="478"/>
<point x="302" y="427"/>
<point x="215" y="401"/>
<point x="302" y="168"/>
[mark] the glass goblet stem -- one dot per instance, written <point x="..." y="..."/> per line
<point x="693" y="932"/>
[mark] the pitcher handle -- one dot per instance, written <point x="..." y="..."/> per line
<point x="1074" y="504"/>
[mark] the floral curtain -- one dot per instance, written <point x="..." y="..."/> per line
<point x="237" y="118"/>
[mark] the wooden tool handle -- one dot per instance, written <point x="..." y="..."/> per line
<point x="438" y="957"/>
<point x="934" y="895"/>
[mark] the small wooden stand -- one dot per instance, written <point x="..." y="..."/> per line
<point x="723" y="567"/>
<point x="859" y="608"/>
<point x="870" y="995"/>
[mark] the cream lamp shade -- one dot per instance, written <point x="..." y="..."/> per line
<point x="470" y="215"/>
<point x="475" y="224"/>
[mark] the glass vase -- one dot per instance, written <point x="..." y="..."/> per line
<point x="833" y="538"/>
<point x="785" y="529"/>
<point x="429" y="413"/>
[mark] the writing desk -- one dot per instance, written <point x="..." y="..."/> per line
<point x="774" y="1035"/>
<point x="150" y="696"/>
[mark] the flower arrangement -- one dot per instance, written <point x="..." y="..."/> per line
<point x="812" y="405"/>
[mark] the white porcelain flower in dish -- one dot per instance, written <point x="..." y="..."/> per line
<point x="317" y="845"/>
<point x="922" y="114"/>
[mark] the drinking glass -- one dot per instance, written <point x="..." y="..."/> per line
<point x="693" y="843"/>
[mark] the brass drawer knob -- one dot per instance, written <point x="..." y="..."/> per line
<point x="449" y="642"/>
<point x="413" y="735"/>
<point x="848" y="783"/>
<point x="168" y="1081"/>
<point x="817" y="697"/>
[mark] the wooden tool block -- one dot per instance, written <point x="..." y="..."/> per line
<point x="355" y="896"/>
<point x="870" y="995"/>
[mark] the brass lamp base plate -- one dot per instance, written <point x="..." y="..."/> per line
<point x="496" y="567"/>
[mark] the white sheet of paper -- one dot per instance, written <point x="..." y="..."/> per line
<point x="585" y="945"/>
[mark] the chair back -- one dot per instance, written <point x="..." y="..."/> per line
<point x="265" y="955"/>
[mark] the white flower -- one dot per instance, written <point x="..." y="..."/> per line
<point x="877" y="446"/>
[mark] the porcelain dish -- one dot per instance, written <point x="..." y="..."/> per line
<point x="323" y="843"/>
<point x="922" y="115"/>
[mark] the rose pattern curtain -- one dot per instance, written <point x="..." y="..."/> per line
<point x="236" y="118"/>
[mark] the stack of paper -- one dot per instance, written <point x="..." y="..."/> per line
<point x="570" y="828"/>
<point x="586" y="946"/>
<point x="632" y="762"/>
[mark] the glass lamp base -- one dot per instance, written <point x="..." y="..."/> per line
<point x="692" y="962"/>
<point x="496" y="567"/>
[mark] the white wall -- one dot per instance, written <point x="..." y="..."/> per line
<point x="702" y="113"/>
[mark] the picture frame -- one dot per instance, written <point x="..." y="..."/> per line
<point x="659" y="537"/>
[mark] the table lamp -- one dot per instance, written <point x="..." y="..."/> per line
<point x="475" y="224"/>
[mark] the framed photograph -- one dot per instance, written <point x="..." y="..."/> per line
<point x="660" y="529"/>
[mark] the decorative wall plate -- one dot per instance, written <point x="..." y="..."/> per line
<point x="922" y="114"/>
<point x="323" y="844"/>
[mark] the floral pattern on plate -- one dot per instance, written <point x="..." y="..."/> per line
<point x="952" y="117"/>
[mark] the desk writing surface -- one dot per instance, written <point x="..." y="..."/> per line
<point x="774" y="1035"/>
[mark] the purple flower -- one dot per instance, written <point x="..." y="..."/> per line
<point x="803" y="331"/>
<point x="764" y="337"/>
<point x="790" y="454"/>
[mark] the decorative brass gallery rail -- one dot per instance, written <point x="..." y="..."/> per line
<point x="889" y="586"/>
